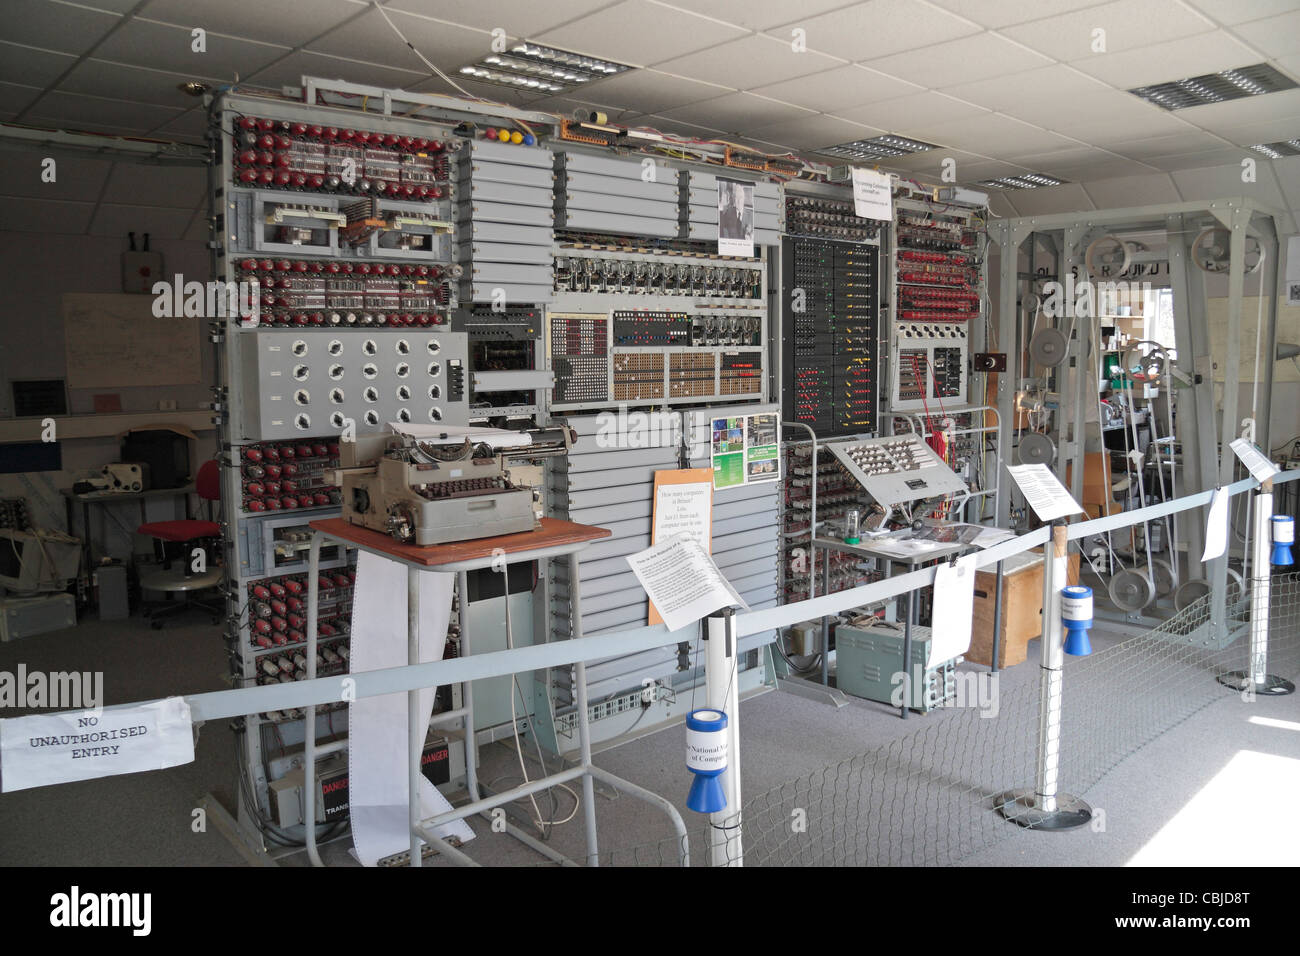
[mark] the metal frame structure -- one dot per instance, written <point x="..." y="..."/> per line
<point x="1206" y="463"/>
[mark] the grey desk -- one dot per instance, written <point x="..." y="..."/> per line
<point x="93" y="498"/>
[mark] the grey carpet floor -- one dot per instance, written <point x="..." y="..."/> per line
<point x="875" y="789"/>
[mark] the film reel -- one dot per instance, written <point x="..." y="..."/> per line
<point x="1107" y="257"/>
<point x="1048" y="347"/>
<point x="1211" y="251"/>
<point x="1131" y="590"/>
<point x="1035" y="449"/>
<point x="1189" y="592"/>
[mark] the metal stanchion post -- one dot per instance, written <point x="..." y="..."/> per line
<point x="1257" y="679"/>
<point x="1043" y="806"/>
<point x="723" y="693"/>
<point x="997" y="618"/>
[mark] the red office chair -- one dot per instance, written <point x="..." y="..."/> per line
<point x="181" y="535"/>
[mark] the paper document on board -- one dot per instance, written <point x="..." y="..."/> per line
<point x="682" y="581"/>
<point x="1044" y="492"/>
<point x="953" y="610"/>
<point x="1216" y="526"/>
<point x="1256" y="462"/>
<point x="873" y="194"/>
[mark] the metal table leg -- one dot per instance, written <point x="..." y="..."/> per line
<point x="309" y="731"/>
<point x="414" y="725"/>
<point x="584" y="731"/>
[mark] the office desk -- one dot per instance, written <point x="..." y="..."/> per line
<point x="92" y="498"/>
<point x="555" y="538"/>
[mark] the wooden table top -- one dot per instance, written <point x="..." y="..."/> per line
<point x="553" y="533"/>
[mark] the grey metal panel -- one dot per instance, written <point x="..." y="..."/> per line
<point x="633" y="508"/>
<point x="479" y="190"/>
<point x="622" y="205"/>
<point x="745" y="539"/>
<point x="514" y="294"/>
<point x="512" y="154"/>
<point x="613" y="477"/>
<point x="511" y="381"/>
<point x="508" y="252"/>
<point x="510" y="274"/>
<point x="619" y="546"/>
<point x="743" y="523"/>
<point x="757" y="509"/>
<point x="708" y="199"/>
<point x="507" y="213"/>
<point x="605" y="222"/>
<point x="512" y="175"/>
<point x="602" y="497"/>
<point x="594" y="604"/>
<point x="744" y="569"/>
<point x="594" y="569"/>
<point x="663" y="191"/>
<point x="602" y="459"/>
<point x="608" y="166"/>
<point x="476" y="231"/>
<point x="709" y="231"/>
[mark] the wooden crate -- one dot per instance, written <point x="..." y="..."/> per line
<point x="1022" y="608"/>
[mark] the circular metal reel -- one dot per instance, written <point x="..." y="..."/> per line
<point x="1107" y="257"/>
<point x="1048" y="347"/>
<point x="1163" y="572"/>
<point x="1131" y="590"/>
<point x="1212" y="251"/>
<point x="1189" y="592"/>
<point x="1236" y="585"/>
<point x="1035" y="449"/>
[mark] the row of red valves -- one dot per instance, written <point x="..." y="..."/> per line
<point x="420" y="319"/>
<point x="271" y="453"/>
<point x="281" y="133"/>
<point x="331" y="267"/>
<point x="295" y="667"/>
<point x="296" y="587"/>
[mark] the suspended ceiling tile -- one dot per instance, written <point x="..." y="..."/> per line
<point x="1208" y="181"/>
<point x="741" y="112"/>
<point x="1231" y="12"/>
<point x="1188" y="141"/>
<point x="812" y="132"/>
<point x="371" y="39"/>
<point x="188" y="127"/>
<point x="1101" y="170"/>
<point x="286" y="22"/>
<point x="161" y="46"/>
<point x="650" y="91"/>
<point x="109" y="6"/>
<point x="895" y="113"/>
<point x="1047" y="200"/>
<point x="639" y="33"/>
<point x="1056" y="88"/>
<point x="1170" y="61"/>
<point x="748" y="62"/>
<point x="1127" y="25"/>
<point x="1001" y="13"/>
<point x="517" y="19"/>
<point x="130" y="83"/>
<point x="834" y="90"/>
<point x="1107" y="133"/>
<point x="756" y="14"/>
<point x="291" y="70"/>
<point x="76" y="179"/>
<point x="1121" y="191"/>
<point x="31" y="67"/>
<point x="1224" y="156"/>
<point x="1276" y="36"/>
<point x="113" y="219"/>
<point x="1287" y="172"/>
<point x="72" y="109"/>
<point x="43" y="215"/>
<point x="180" y="187"/>
<point x="992" y="135"/>
<point x="966" y="59"/>
<point x="878" y="28"/>
<point x="61" y="27"/>
<point x="15" y="97"/>
<point x="1221" y="117"/>
<point x="1275" y="130"/>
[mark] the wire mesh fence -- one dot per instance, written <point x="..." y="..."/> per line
<point x="929" y="797"/>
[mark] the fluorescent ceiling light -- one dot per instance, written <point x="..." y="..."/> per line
<point x="530" y="66"/>
<point x="1022" y="181"/>
<point x="1278" y="150"/>
<point x="879" y="147"/>
<point x="1216" y="87"/>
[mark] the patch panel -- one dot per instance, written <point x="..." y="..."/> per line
<point x="930" y="366"/>
<point x="665" y="275"/>
<point x="826" y="219"/>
